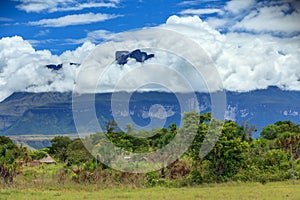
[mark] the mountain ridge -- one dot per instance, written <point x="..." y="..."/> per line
<point x="51" y="112"/>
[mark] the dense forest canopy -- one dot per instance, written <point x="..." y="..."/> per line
<point x="235" y="156"/>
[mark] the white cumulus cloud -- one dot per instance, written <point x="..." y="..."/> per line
<point x="238" y="6"/>
<point x="61" y="5"/>
<point x="22" y="68"/>
<point x="271" y="19"/>
<point x="244" y="61"/>
<point x="76" y="19"/>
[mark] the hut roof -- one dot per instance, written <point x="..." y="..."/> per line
<point x="47" y="159"/>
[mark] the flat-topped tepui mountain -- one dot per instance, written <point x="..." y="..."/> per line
<point x="51" y="113"/>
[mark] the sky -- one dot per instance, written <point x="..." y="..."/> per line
<point x="253" y="43"/>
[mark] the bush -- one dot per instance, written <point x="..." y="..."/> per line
<point x="195" y="177"/>
<point x="151" y="178"/>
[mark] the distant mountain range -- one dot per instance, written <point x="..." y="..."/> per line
<point x="51" y="113"/>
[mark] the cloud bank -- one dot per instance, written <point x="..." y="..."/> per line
<point x="261" y="17"/>
<point x="245" y="61"/>
<point x="22" y="68"/>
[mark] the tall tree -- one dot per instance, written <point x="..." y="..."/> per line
<point x="77" y="153"/>
<point x="9" y="152"/>
<point x="59" y="147"/>
<point x="227" y="156"/>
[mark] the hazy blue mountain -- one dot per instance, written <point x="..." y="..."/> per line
<point x="51" y="113"/>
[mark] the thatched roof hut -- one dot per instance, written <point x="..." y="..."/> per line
<point x="47" y="159"/>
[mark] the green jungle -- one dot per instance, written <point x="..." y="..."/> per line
<point x="237" y="167"/>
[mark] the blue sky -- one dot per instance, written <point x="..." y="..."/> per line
<point x="31" y="19"/>
<point x="18" y="16"/>
<point x="253" y="43"/>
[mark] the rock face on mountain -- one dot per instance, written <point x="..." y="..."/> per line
<point x="51" y="113"/>
<point x="138" y="55"/>
<point x="54" y="67"/>
<point x="59" y="66"/>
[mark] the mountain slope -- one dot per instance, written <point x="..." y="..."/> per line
<point x="51" y="113"/>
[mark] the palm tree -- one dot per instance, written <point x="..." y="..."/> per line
<point x="287" y="139"/>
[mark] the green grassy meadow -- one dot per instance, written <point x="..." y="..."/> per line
<point x="228" y="191"/>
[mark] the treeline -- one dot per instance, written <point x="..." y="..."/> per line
<point x="236" y="156"/>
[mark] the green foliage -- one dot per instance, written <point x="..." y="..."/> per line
<point x="77" y="153"/>
<point x="194" y="148"/>
<point x="9" y="153"/>
<point x="151" y="178"/>
<point x="38" y="154"/>
<point x="195" y="177"/>
<point x="6" y="141"/>
<point x="129" y="128"/>
<point x="59" y="147"/>
<point x="272" y="131"/>
<point x="191" y="122"/>
<point x="235" y="156"/>
<point x="111" y="126"/>
<point x="285" y="140"/>
<point x="227" y="156"/>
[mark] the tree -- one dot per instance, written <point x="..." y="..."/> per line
<point x="77" y="153"/>
<point x="270" y="132"/>
<point x="227" y="156"/>
<point x="195" y="147"/>
<point x="285" y="139"/>
<point x="23" y="154"/>
<point x="59" y="147"/>
<point x="129" y="128"/>
<point x="9" y="152"/>
<point x="38" y="154"/>
<point x="173" y="128"/>
<point x="273" y="130"/>
<point x="111" y="126"/>
<point x="287" y="126"/>
<point x="247" y="130"/>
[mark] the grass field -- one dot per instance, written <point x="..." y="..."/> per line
<point x="229" y="191"/>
